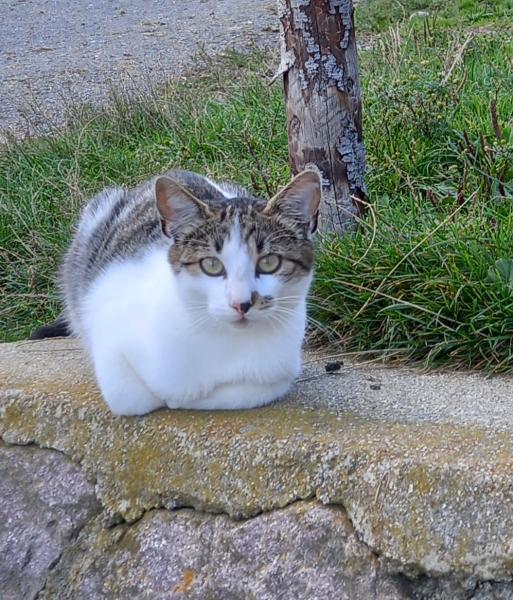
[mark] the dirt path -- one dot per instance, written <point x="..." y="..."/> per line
<point x="56" y="51"/>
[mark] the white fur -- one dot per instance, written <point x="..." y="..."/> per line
<point x="228" y="191"/>
<point x="160" y="339"/>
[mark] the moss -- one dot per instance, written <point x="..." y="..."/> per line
<point x="413" y="491"/>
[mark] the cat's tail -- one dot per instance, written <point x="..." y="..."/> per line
<point x="58" y="328"/>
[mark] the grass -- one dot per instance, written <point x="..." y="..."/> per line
<point x="428" y="277"/>
<point x="421" y="280"/>
<point x="378" y="15"/>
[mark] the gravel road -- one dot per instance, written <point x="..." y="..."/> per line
<point x="53" y="52"/>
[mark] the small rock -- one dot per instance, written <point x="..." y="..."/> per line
<point x="332" y="367"/>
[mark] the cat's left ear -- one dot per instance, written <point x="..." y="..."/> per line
<point x="299" y="200"/>
<point x="179" y="209"/>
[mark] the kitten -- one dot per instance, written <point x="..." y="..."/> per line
<point x="192" y="294"/>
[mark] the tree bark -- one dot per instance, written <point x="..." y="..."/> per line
<point x="319" y="63"/>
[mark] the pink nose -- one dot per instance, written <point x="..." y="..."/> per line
<point x="242" y="307"/>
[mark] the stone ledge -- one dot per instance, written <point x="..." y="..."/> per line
<point x="305" y="551"/>
<point x="426" y="484"/>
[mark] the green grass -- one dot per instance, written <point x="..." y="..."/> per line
<point x="420" y="280"/>
<point x="378" y="15"/>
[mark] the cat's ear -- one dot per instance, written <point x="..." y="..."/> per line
<point x="179" y="209"/>
<point x="299" y="200"/>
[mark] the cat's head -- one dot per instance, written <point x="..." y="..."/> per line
<point x="242" y="261"/>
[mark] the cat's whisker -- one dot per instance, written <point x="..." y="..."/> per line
<point x="288" y="313"/>
<point x="309" y="318"/>
<point x="281" y="323"/>
<point x="197" y="308"/>
<point x="286" y="298"/>
<point x="198" y="324"/>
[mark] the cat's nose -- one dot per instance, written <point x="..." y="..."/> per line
<point x="242" y="307"/>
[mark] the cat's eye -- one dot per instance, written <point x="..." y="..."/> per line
<point x="212" y="266"/>
<point x="269" y="264"/>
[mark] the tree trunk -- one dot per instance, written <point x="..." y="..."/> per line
<point x="319" y="63"/>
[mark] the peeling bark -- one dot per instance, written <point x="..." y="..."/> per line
<point x="322" y="92"/>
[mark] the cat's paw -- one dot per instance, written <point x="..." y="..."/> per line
<point x="240" y="396"/>
<point x="131" y="404"/>
<point x="122" y="388"/>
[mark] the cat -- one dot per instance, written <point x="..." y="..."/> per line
<point x="188" y="293"/>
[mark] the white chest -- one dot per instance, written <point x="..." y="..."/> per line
<point x="185" y="366"/>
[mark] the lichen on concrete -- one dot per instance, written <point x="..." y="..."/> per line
<point x="427" y="488"/>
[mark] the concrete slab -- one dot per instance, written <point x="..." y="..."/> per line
<point x="421" y="463"/>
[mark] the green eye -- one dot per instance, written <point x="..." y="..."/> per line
<point x="212" y="266"/>
<point x="269" y="264"/>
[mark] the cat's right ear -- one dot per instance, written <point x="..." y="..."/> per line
<point x="299" y="201"/>
<point x="179" y="209"/>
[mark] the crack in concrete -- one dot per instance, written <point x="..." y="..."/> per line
<point x="72" y="540"/>
<point x="414" y="585"/>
